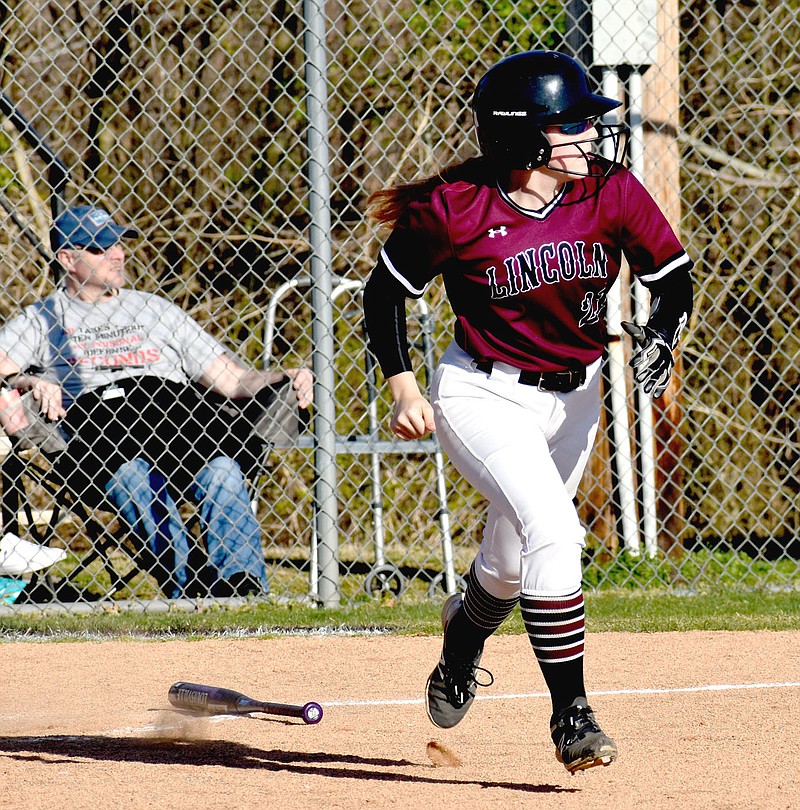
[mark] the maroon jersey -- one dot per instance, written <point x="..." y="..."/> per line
<point x="529" y="287"/>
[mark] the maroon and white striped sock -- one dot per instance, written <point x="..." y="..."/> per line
<point x="480" y="615"/>
<point x="484" y="610"/>
<point x="556" y="629"/>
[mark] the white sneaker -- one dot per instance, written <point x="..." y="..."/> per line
<point x="18" y="556"/>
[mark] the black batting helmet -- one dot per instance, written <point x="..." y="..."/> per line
<point x="521" y="95"/>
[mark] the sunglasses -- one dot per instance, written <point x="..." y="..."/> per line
<point x="575" y="127"/>
<point x="93" y="249"/>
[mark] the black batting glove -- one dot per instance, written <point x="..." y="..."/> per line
<point x="652" y="360"/>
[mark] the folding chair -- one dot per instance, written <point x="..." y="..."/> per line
<point x="26" y="474"/>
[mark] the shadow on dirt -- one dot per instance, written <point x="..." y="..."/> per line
<point x="60" y="749"/>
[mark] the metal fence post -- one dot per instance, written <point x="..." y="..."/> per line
<point x="321" y="305"/>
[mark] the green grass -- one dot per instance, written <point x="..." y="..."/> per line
<point x="619" y="611"/>
<point x="655" y="612"/>
<point x="699" y="570"/>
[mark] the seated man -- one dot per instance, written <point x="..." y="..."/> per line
<point x="123" y="370"/>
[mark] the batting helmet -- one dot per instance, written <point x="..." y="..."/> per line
<point x="521" y="95"/>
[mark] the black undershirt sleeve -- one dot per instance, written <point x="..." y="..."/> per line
<point x="385" y="320"/>
<point x="671" y="304"/>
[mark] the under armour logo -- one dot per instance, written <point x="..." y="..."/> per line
<point x="501" y="231"/>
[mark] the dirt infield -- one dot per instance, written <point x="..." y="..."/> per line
<point x="702" y="721"/>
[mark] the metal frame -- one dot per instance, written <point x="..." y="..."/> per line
<point x="15" y="505"/>
<point x="383" y="576"/>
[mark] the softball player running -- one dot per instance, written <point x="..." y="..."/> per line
<point x="528" y="238"/>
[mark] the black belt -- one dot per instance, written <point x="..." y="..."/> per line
<point x="557" y="381"/>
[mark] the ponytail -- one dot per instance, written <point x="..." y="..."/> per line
<point x="388" y="205"/>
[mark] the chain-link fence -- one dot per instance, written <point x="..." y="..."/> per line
<point x="241" y="139"/>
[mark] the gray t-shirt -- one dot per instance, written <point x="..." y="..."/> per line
<point x="83" y="346"/>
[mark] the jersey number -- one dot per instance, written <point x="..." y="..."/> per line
<point x="593" y="306"/>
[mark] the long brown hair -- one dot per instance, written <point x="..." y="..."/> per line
<point x="387" y="205"/>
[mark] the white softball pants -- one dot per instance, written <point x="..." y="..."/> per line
<point x="525" y="451"/>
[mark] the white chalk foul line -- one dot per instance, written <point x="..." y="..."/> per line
<point x="721" y="687"/>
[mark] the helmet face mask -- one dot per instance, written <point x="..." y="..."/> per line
<point x="601" y="153"/>
<point x="522" y="95"/>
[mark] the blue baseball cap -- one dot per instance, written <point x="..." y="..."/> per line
<point x="87" y="226"/>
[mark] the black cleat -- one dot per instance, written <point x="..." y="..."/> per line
<point x="451" y="686"/>
<point x="580" y="742"/>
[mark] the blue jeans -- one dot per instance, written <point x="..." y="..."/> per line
<point x="232" y="534"/>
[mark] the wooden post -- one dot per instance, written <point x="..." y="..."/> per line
<point x="661" y="89"/>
